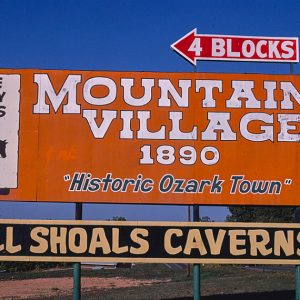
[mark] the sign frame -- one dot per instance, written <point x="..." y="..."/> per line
<point x="64" y="158"/>
<point x="156" y="228"/>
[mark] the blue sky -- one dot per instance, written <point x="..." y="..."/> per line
<point x="130" y="36"/>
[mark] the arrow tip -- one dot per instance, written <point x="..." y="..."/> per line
<point x="182" y="46"/>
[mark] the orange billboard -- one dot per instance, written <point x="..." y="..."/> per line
<point x="149" y="137"/>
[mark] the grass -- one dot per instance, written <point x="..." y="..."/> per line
<point x="217" y="282"/>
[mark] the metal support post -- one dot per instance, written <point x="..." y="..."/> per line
<point x="196" y="268"/>
<point x="297" y="283"/>
<point x="291" y="68"/>
<point x="297" y="220"/>
<point x="297" y="273"/>
<point x="189" y="220"/>
<point x="77" y="266"/>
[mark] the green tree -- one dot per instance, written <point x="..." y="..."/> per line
<point x="117" y="218"/>
<point x="261" y="214"/>
<point x="206" y="219"/>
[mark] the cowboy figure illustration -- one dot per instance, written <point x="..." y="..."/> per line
<point x="3" y="148"/>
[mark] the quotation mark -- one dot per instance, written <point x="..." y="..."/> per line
<point x="288" y="181"/>
<point x="67" y="177"/>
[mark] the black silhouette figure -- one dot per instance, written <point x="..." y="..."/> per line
<point x="4" y="191"/>
<point x="3" y="148"/>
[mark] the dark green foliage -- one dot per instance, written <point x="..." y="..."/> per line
<point x="261" y="214"/>
<point x="206" y="219"/>
<point x="14" y="266"/>
<point x="117" y="218"/>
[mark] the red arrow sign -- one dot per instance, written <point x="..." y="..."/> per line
<point x="195" y="47"/>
